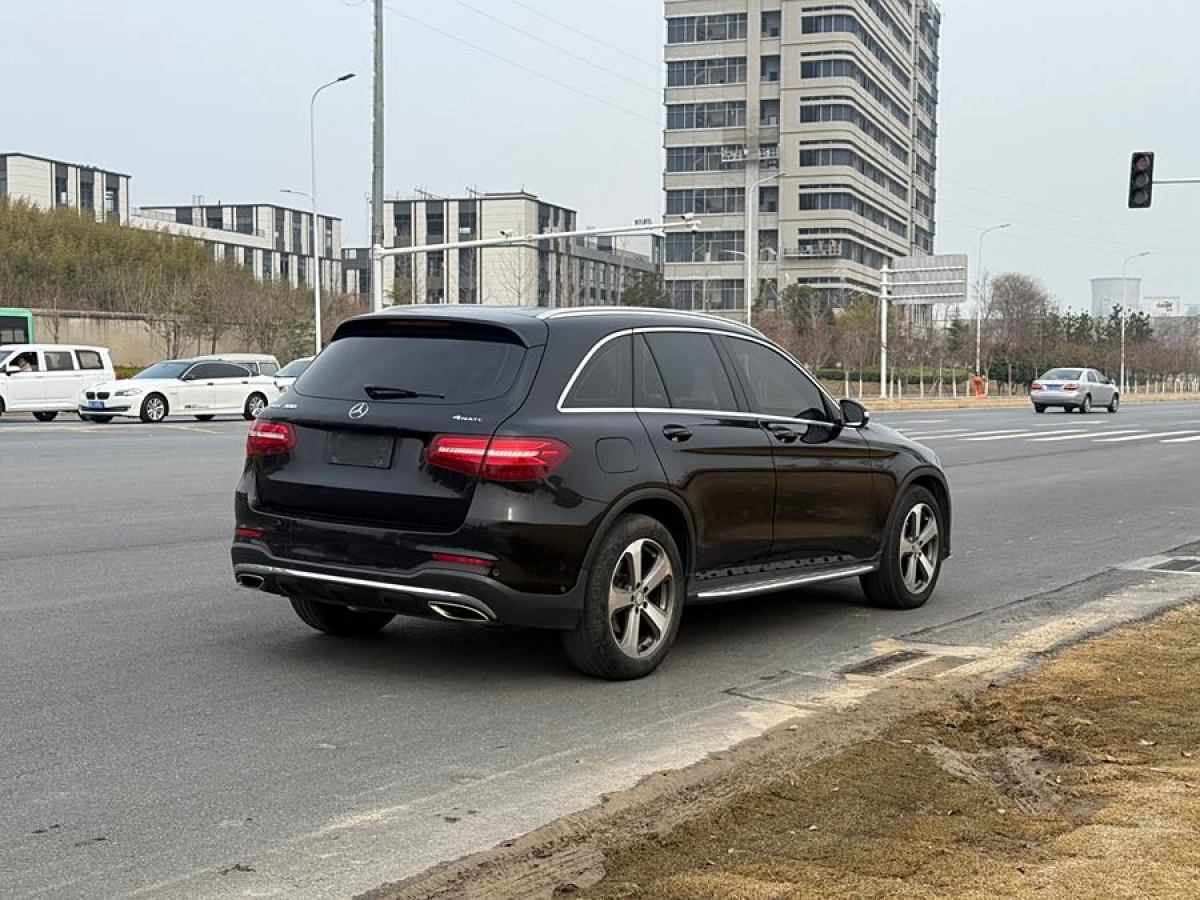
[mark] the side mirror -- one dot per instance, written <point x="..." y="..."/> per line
<point x="854" y="414"/>
<point x="12" y="370"/>
<point x="187" y="376"/>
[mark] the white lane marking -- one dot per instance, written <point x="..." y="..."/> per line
<point x="919" y="435"/>
<point x="1080" y="437"/>
<point x="1183" y="440"/>
<point x="980" y="434"/>
<point x="1143" y="437"/>
<point x="1020" y="435"/>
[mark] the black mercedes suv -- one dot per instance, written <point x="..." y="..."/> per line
<point x="587" y="470"/>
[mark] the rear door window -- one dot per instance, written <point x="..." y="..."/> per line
<point x="267" y="368"/>
<point x="227" y="370"/>
<point x="649" y="392"/>
<point x="692" y="371"/>
<point x="437" y="369"/>
<point x="606" y="381"/>
<point x="89" y="359"/>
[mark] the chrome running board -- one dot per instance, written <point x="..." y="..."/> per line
<point x="783" y="583"/>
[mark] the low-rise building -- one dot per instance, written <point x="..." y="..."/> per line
<point x="52" y="184"/>
<point x="584" y="271"/>
<point x="273" y="242"/>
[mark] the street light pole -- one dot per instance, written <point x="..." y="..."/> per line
<point x="316" y="249"/>
<point x="979" y="298"/>
<point x="1125" y="310"/>
<point x="751" y="254"/>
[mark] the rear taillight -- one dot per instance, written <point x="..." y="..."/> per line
<point x="500" y="459"/>
<point x="1036" y="386"/>
<point x="1073" y="386"/>
<point x="248" y="532"/>
<point x="267" y="438"/>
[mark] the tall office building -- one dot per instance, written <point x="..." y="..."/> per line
<point x="817" y="119"/>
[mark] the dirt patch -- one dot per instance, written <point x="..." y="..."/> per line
<point x="1081" y="778"/>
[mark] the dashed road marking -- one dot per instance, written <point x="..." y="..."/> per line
<point x="1143" y="437"/>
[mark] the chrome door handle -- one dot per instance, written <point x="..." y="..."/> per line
<point x="676" y="433"/>
<point x="784" y="433"/>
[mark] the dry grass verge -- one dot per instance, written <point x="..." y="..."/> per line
<point x="1080" y="779"/>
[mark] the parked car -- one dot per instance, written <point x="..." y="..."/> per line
<point x="257" y="363"/>
<point x="582" y="470"/>
<point x="198" y="388"/>
<point x="287" y="376"/>
<point x="1074" y="389"/>
<point x="45" y="379"/>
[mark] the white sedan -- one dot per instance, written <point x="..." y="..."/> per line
<point x="180" y="387"/>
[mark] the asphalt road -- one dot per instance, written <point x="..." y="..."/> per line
<point x="164" y="733"/>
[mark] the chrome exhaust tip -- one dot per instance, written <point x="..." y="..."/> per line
<point x="254" y="582"/>
<point x="456" y="612"/>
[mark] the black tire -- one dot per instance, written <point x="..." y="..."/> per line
<point x="1" y="406"/>
<point x="1115" y="404"/>
<point x="339" y="621"/>
<point x="154" y="409"/>
<point x="205" y="418"/>
<point x="1039" y="407"/>
<point x="1086" y="406"/>
<point x="886" y="587"/>
<point x="47" y="416"/>
<point x="593" y="646"/>
<point x="254" y="404"/>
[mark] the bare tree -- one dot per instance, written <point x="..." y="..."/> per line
<point x="1019" y="306"/>
<point x="512" y="273"/>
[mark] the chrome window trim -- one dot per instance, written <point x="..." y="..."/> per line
<point x="627" y="310"/>
<point x="737" y="414"/>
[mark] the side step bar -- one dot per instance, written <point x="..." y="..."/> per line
<point x="750" y="587"/>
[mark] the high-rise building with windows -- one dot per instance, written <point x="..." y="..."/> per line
<point x="816" y="118"/>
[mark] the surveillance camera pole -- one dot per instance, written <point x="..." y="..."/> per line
<point x="508" y="239"/>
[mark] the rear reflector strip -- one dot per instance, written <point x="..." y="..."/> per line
<point x="245" y="531"/>
<point x="462" y="560"/>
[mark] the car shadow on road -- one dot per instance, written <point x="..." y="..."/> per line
<point x="711" y="637"/>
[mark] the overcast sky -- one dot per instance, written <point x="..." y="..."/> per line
<point x="1042" y="102"/>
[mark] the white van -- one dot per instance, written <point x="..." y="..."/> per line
<point x="45" y="379"/>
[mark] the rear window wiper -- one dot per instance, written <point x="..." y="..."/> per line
<point x="380" y="392"/>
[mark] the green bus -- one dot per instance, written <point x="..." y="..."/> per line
<point x="16" y="326"/>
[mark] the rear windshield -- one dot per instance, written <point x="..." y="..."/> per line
<point x="447" y="369"/>
<point x="1063" y="375"/>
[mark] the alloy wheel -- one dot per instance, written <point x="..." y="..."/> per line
<point x="920" y="547"/>
<point x="255" y="405"/>
<point x="640" y="595"/>
<point x="156" y="410"/>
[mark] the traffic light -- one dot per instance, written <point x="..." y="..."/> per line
<point x="1141" y="181"/>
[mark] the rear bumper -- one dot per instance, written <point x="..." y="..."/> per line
<point x="1056" y="398"/>
<point x="430" y="592"/>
